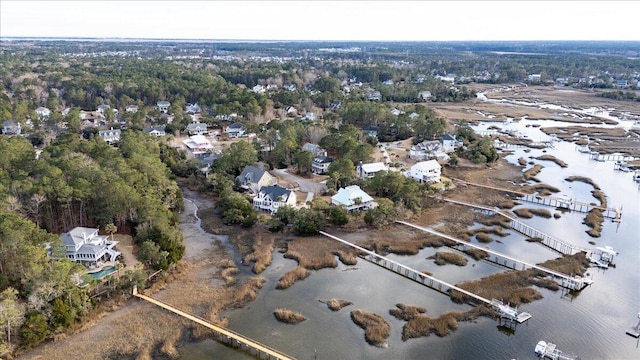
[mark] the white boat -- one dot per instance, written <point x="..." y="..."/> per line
<point x="547" y="350"/>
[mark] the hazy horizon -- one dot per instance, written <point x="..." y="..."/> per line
<point x="349" y="21"/>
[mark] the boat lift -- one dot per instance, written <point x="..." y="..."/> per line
<point x="547" y="350"/>
<point x="602" y="256"/>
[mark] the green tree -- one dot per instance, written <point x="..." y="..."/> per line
<point x="111" y="228"/>
<point x="308" y="222"/>
<point x="338" y="215"/>
<point x="11" y="316"/>
<point x="34" y="330"/>
<point x="381" y="215"/>
<point x="303" y="160"/>
<point x="61" y="315"/>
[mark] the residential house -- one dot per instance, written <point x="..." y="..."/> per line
<point x="375" y="96"/>
<point x="272" y="87"/>
<point x="535" y="78"/>
<point x="424" y="95"/>
<point x="101" y="109"/>
<point x="310" y="116"/>
<point x="414" y="115"/>
<point x="335" y="106"/>
<point x="388" y="82"/>
<point x="111" y="136"/>
<point x="226" y="117"/>
<point x="131" y="108"/>
<point x="290" y="87"/>
<point x="258" y="89"/>
<point x="236" y="130"/>
<point x="621" y="83"/>
<point x="85" y="246"/>
<point x="369" y="170"/>
<point x="395" y="112"/>
<point x="192" y="108"/>
<point x="206" y="160"/>
<point x="321" y="164"/>
<point x="353" y="199"/>
<point x="291" y="110"/>
<point x="196" y="145"/>
<point x="427" y="150"/>
<point x="425" y="171"/>
<point x="155" y="130"/>
<point x="163" y="106"/>
<point x="11" y="128"/>
<point x="253" y="178"/>
<point x="197" y="128"/>
<point x="449" y="143"/>
<point x="370" y="130"/>
<point x="316" y="150"/>
<point x="43" y="112"/>
<point x="271" y="198"/>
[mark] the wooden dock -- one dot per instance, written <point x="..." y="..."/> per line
<point x="225" y="335"/>
<point x="551" y="242"/>
<point x="564" y="280"/>
<point x="551" y="201"/>
<point x="612" y="157"/>
<point x="505" y="311"/>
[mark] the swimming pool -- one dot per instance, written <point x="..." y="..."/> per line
<point x="107" y="270"/>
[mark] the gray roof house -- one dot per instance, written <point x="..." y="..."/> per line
<point x="85" y="246"/>
<point x="236" y="130"/>
<point x="321" y="164"/>
<point x="316" y="150"/>
<point x="155" y="130"/>
<point x="11" y="128"/>
<point x="197" y="128"/>
<point x="271" y="198"/>
<point x="253" y="178"/>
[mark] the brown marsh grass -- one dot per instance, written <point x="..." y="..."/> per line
<point x="496" y="230"/>
<point x="337" y="305"/>
<point x="477" y="254"/>
<point x="316" y="253"/>
<point x="542" y="189"/>
<point x="507" y="204"/>
<point x="262" y="250"/>
<point x="524" y="213"/>
<point x="507" y="286"/>
<point x="547" y="157"/>
<point x="444" y="258"/>
<point x="598" y="194"/>
<point x="522" y="161"/>
<point x="583" y="179"/>
<point x="594" y="220"/>
<point x="532" y="172"/>
<point x="288" y="279"/>
<point x="406" y="312"/>
<point x="483" y="237"/>
<point x="288" y="316"/>
<point x="376" y="328"/>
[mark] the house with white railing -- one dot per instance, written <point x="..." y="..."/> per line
<point x="85" y="246"/>
<point x="271" y="198"/>
<point x="353" y="198"/>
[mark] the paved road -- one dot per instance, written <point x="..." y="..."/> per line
<point x="305" y="185"/>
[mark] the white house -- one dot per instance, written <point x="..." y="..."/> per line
<point x="83" y="245"/>
<point x="424" y="95"/>
<point x="197" y="128"/>
<point x="321" y="164"/>
<point x="425" y="171"/>
<point x="11" y="128"/>
<point x="111" y="136"/>
<point x="258" y="89"/>
<point x="449" y="143"/>
<point x="197" y="144"/>
<point x="271" y="198"/>
<point x="316" y="150"/>
<point x="395" y="112"/>
<point x="192" y="108"/>
<point x="353" y="198"/>
<point x="369" y="170"/>
<point x="370" y="130"/>
<point x="101" y="109"/>
<point x="131" y="108"/>
<point x="534" y="77"/>
<point x="311" y="116"/>
<point x="163" y="106"/>
<point x="236" y="130"/>
<point x="43" y="112"/>
<point x="155" y="130"/>
<point x="427" y="150"/>
<point x="253" y="178"/>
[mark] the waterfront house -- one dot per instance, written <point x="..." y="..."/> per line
<point x="271" y="198"/>
<point x="196" y="145"/>
<point x="85" y="246"/>
<point x="253" y="178"/>
<point x="449" y="143"/>
<point x="352" y="198"/>
<point x="425" y="171"/>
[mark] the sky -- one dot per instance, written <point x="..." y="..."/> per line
<point x="426" y="20"/>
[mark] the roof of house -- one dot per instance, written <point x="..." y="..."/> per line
<point x="10" y="123"/>
<point x="197" y="126"/>
<point x="109" y="132"/>
<point x="199" y="139"/>
<point x="252" y="173"/>
<point x="159" y="128"/>
<point x="75" y="236"/>
<point x="426" y="165"/>
<point x="311" y="147"/>
<point x="322" y="160"/>
<point x="370" y="128"/>
<point x="235" y="125"/>
<point x="448" y="137"/>
<point x="42" y="109"/>
<point x="374" y="167"/>
<point x="347" y="196"/>
<point x="275" y="192"/>
<point x="163" y="103"/>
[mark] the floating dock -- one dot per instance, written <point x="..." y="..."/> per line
<point x="505" y="311"/>
<point x="635" y="330"/>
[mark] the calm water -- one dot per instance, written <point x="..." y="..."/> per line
<point x="591" y="324"/>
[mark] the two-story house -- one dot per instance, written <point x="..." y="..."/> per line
<point x="111" y="136"/>
<point x="315" y="149"/>
<point x="43" y="112"/>
<point x="192" y="108"/>
<point x="236" y="130"/>
<point x="197" y="128"/>
<point x="196" y="145"/>
<point x="85" y="246"/>
<point x="449" y="143"/>
<point x="353" y="198"/>
<point x="321" y="164"/>
<point x="11" y="128"/>
<point x="364" y="171"/>
<point x="253" y="178"/>
<point x="163" y="106"/>
<point x="425" y="171"/>
<point x="271" y="198"/>
<point x="155" y="130"/>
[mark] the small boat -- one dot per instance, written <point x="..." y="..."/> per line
<point x="547" y="350"/>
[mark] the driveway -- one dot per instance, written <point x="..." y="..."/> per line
<point x="304" y="185"/>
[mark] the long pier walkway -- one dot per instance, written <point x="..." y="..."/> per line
<point x="230" y="337"/>
<point x="504" y="310"/>
<point x="556" y="244"/>
<point x="555" y="202"/>
<point x="566" y="281"/>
